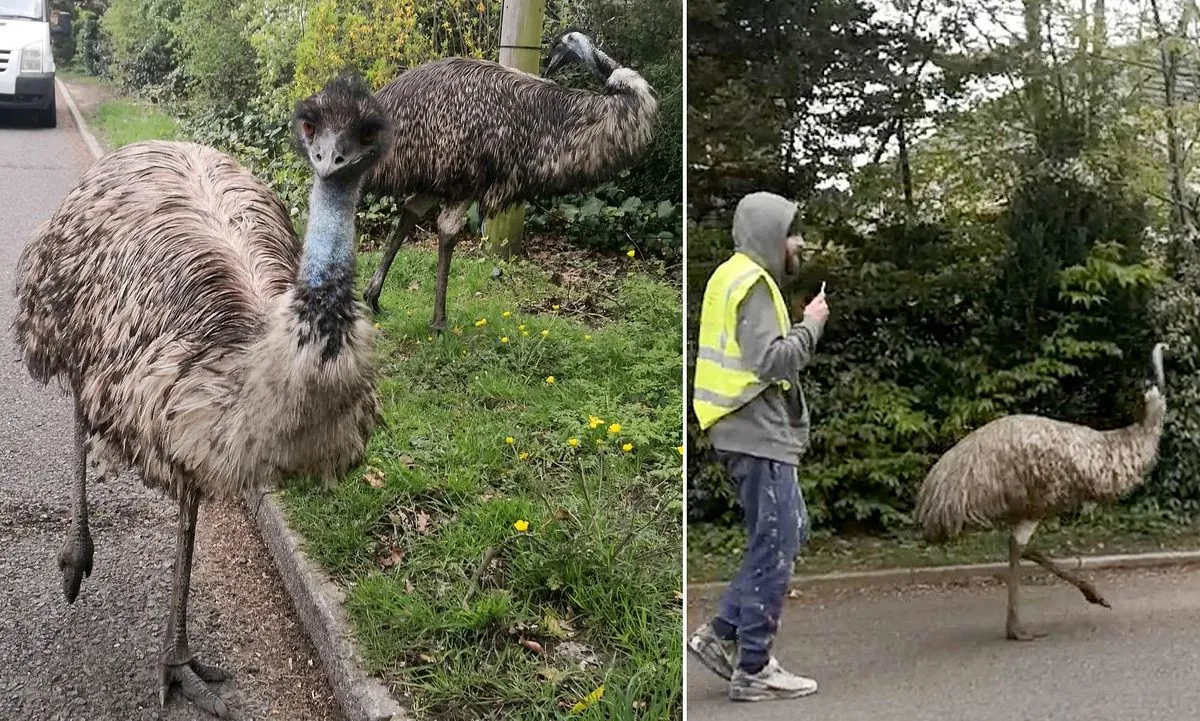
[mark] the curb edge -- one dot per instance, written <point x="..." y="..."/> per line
<point x="944" y="574"/>
<point x="317" y="600"/>
<point x="93" y="145"/>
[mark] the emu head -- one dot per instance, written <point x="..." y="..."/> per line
<point x="1156" y="363"/>
<point x="342" y="130"/>
<point x="575" y="47"/>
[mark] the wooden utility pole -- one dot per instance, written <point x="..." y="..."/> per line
<point x="520" y="47"/>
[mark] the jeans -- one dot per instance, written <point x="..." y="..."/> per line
<point x="776" y="529"/>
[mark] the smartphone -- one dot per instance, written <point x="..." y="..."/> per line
<point x="822" y="288"/>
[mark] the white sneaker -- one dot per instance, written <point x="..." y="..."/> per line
<point x="771" y="682"/>
<point x="717" y="654"/>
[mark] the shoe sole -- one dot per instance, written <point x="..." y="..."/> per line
<point x="704" y="661"/>
<point x="755" y="694"/>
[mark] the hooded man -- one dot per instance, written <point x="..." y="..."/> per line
<point x="747" y="395"/>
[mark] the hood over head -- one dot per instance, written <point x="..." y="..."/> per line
<point x="761" y="222"/>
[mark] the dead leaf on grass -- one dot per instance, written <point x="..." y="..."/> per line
<point x="375" y="477"/>
<point x="532" y="645"/>
<point x="406" y="461"/>
<point x="576" y="653"/>
<point x="679" y="596"/>
<point x="551" y="674"/>
<point x="415" y="285"/>
<point x="557" y="628"/>
<point x="561" y="514"/>
<point x="391" y="559"/>
<point x="421" y="520"/>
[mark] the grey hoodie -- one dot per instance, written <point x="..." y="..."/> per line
<point x="775" y="423"/>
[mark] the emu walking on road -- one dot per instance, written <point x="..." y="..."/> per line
<point x="204" y="346"/>
<point x="1021" y="469"/>
<point x="473" y="130"/>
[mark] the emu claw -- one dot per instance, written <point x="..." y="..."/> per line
<point x="1016" y="632"/>
<point x="371" y="296"/>
<point x="75" y="562"/>
<point x="193" y="678"/>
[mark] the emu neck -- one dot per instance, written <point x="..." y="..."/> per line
<point x="601" y="64"/>
<point x="329" y="238"/>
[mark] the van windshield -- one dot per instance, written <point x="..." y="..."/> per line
<point x="31" y="9"/>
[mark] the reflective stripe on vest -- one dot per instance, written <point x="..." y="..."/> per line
<point x="724" y="381"/>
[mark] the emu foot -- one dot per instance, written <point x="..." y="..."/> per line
<point x="193" y="678"/>
<point x="75" y="562"/>
<point x="1017" y="632"/>
<point x="1089" y="592"/>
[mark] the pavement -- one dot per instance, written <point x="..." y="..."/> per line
<point x="97" y="659"/>
<point x="931" y="653"/>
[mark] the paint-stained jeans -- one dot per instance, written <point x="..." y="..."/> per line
<point x="776" y="530"/>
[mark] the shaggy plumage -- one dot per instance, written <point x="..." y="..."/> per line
<point x="1021" y="469"/>
<point x="205" y="347"/>
<point x="473" y="130"/>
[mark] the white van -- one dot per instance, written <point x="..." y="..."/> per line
<point x="26" y="60"/>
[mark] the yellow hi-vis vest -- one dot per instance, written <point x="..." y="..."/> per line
<point x="723" y="381"/>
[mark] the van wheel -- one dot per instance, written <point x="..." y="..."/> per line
<point x="48" y="118"/>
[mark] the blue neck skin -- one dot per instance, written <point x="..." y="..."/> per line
<point x="329" y="237"/>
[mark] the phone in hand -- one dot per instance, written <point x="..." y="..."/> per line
<point x="822" y="292"/>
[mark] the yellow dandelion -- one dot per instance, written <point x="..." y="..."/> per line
<point x="521" y="525"/>
<point x="631" y="253"/>
<point x="679" y="449"/>
<point x="377" y="326"/>
<point x="554" y="307"/>
<point x="587" y="337"/>
<point x="522" y="455"/>
<point x="550" y="380"/>
<point x="521" y="327"/>
<point x="525" y="333"/>
<point x="456" y="330"/>
<point x="504" y="339"/>
<point x="627" y="447"/>
<point x="430" y="339"/>
<point x="572" y="442"/>
<point x="481" y="322"/>
<point x="545" y="333"/>
<point x="509" y="440"/>
<point x="506" y="314"/>
<point x="594" y="422"/>
<point x="614" y="428"/>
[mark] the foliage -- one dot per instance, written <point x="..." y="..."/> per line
<point x="93" y="48"/>
<point x="215" y="58"/>
<point x="144" y="46"/>
<point x="607" y="219"/>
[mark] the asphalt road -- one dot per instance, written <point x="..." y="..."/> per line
<point x="97" y="659"/>
<point x="936" y="654"/>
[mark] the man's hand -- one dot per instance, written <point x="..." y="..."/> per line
<point x="816" y="309"/>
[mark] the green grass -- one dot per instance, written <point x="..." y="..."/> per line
<point x="76" y="77"/>
<point x="121" y="121"/>
<point x="714" y="551"/>
<point x="599" y="567"/>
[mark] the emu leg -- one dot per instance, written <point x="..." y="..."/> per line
<point x="177" y="664"/>
<point x="450" y="223"/>
<point x="413" y="210"/>
<point x="75" y="558"/>
<point x="1085" y="587"/>
<point x="1019" y="537"/>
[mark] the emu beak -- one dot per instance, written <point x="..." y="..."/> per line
<point x="326" y="158"/>
<point x="559" y="59"/>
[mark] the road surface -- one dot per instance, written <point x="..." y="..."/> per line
<point x="96" y="660"/>
<point x="939" y="654"/>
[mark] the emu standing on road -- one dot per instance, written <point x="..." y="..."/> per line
<point x="1021" y="469"/>
<point x="476" y="130"/>
<point x="205" y="348"/>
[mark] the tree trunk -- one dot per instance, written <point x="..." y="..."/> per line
<point x="520" y="47"/>
<point x="905" y="171"/>
<point x="1169" y="65"/>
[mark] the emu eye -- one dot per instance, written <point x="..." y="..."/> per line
<point x="308" y="129"/>
<point x="369" y="136"/>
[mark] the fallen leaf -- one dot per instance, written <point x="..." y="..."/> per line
<point x="408" y="587"/>
<point x="375" y="477"/>
<point x="557" y="628"/>
<point x="422" y="521"/>
<point x="562" y="514"/>
<point x="679" y="596"/>
<point x="415" y="285"/>
<point x="551" y="674"/>
<point x="793" y="593"/>
<point x="427" y="658"/>
<point x="406" y="461"/>
<point x="392" y="559"/>
<point x="590" y="699"/>
<point x="532" y="645"/>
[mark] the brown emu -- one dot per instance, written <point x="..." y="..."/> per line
<point x="205" y="347"/>
<point x="1022" y="469"/>
<point x="472" y="130"/>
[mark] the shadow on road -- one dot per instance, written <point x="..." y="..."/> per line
<point x="20" y="119"/>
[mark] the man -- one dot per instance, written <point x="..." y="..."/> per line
<point x="747" y="396"/>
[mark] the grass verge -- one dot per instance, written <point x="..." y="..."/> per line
<point x="121" y="121"/>
<point x="715" y="551"/>
<point x="506" y="549"/>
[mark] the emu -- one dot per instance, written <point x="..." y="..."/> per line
<point x="1021" y="469"/>
<point x="205" y="348"/>
<point x="470" y="129"/>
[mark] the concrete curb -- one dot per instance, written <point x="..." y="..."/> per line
<point x="316" y="599"/>
<point x="945" y="574"/>
<point x="88" y="139"/>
